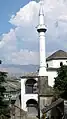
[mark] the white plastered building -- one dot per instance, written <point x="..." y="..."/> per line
<point x="53" y="62"/>
<point x="48" y="67"/>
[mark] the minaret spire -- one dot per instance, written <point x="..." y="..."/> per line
<point x="41" y="13"/>
<point x="41" y="30"/>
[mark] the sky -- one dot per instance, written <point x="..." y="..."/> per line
<point x="19" y="41"/>
<point x="7" y="8"/>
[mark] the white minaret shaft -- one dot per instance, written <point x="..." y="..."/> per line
<point x="41" y="30"/>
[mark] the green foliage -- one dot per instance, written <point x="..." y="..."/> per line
<point x="60" y="85"/>
<point x="3" y="103"/>
<point x="3" y="75"/>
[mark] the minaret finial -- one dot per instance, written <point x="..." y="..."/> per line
<point x="41" y="2"/>
<point x="41" y="8"/>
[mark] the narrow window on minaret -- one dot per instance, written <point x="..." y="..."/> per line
<point x="61" y="63"/>
<point x="47" y="65"/>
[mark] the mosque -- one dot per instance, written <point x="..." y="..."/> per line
<point x="48" y="68"/>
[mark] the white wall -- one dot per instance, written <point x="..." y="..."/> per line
<point x="25" y="97"/>
<point x="50" y="63"/>
<point x="51" y="75"/>
<point x="56" y="63"/>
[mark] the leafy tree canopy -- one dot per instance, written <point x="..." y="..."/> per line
<point x="3" y="103"/>
<point x="60" y="85"/>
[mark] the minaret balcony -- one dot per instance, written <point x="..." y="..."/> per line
<point x="41" y="28"/>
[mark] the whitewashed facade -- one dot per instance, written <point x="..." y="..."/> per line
<point x="51" y="72"/>
<point x="56" y="63"/>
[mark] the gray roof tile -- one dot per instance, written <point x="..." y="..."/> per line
<point x="60" y="54"/>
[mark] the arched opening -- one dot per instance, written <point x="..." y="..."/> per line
<point x="32" y="107"/>
<point x="47" y="65"/>
<point x="61" y="63"/>
<point x="29" y="86"/>
<point x="20" y="100"/>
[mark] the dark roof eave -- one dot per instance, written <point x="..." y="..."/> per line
<point x="31" y="76"/>
<point x="56" y="58"/>
<point x="52" y="69"/>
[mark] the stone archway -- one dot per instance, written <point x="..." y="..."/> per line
<point x="32" y="107"/>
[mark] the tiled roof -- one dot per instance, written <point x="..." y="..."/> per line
<point x="30" y="74"/>
<point x="60" y="54"/>
<point x="12" y="85"/>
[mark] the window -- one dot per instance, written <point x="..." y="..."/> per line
<point x="29" y="86"/>
<point x="47" y="65"/>
<point x="61" y="63"/>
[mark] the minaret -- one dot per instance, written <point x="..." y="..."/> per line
<point x="41" y="30"/>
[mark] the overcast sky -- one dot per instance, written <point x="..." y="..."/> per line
<point x="19" y="41"/>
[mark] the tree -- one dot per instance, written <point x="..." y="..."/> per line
<point x="60" y="86"/>
<point x="3" y="103"/>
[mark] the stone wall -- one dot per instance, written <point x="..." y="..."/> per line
<point x="18" y="113"/>
<point x="45" y="93"/>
